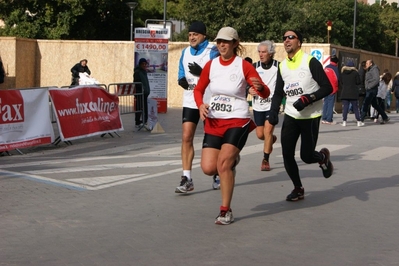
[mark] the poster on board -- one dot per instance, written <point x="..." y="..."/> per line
<point x="152" y="44"/>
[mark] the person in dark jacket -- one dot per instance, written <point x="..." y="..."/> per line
<point x="371" y="82"/>
<point x="2" y="72"/>
<point x="80" y="67"/>
<point x="395" y="90"/>
<point x="350" y="82"/>
<point x="362" y="89"/>
<point x="140" y="75"/>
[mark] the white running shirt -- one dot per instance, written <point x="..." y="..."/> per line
<point x="228" y="89"/>
<point x="298" y="80"/>
<point x="201" y="60"/>
<point x="269" y="77"/>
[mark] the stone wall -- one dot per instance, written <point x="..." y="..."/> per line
<point x="43" y="63"/>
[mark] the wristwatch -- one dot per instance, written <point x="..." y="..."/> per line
<point x="313" y="97"/>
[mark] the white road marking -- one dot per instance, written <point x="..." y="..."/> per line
<point x="330" y="147"/>
<point x="101" y="182"/>
<point x="103" y="167"/>
<point x="171" y="152"/>
<point x="379" y="154"/>
<point x="95" y="181"/>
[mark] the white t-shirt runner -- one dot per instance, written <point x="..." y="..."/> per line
<point x="298" y="80"/>
<point x="269" y="77"/>
<point x="201" y="59"/>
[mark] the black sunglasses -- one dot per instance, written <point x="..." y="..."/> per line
<point x="291" y="37"/>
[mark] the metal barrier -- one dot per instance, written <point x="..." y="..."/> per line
<point x="128" y="97"/>
<point x="100" y="85"/>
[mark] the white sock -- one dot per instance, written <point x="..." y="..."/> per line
<point x="187" y="173"/>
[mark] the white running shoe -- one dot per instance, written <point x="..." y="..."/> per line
<point x="360" y="123"/>
<point x="185" y="185"/>
<point x="225" y="218"/>
<point x="344" y="123"/>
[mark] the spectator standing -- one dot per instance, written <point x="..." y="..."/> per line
<point x="382" y="92"/>
<point x="362" y="88"/>
<point x="192" y="60"/>
<point x="267" y="69"/>
<point x="141" y="104"/>
<point x="226" y="115"/>
<point x="371" y="82"/>
<point x="388" y="98"/>
<point x="329" y="101"/>
<point x="2" y="72"/>
<point x="80" y="67"/>
<point x="395" y="90"/>
<point x="301" y="78"/>
<point x="350" y="82"/>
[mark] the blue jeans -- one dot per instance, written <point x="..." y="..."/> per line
<point x="328" y="108"/>
<point x="388" y="101"/>
<point x="345" y="108"/>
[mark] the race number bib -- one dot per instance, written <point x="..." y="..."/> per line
<point x="222" y="104"/>
<point x="293" y="89"/>
<point x="263" y="101"/>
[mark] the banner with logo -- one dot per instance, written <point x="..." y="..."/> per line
<point x="24" y="119"/>
<point x="152" y="113"/>
<point x="85" y="111"/>
<point x="152" y="44"/>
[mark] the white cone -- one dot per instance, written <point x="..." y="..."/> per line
<point x="157" y="128"/>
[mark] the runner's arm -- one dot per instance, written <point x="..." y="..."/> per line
<point x="250" y="73"/>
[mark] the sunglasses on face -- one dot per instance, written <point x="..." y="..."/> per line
<point x="291" y="37"/>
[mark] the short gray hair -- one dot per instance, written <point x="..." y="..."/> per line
<point x="271" y="47"/>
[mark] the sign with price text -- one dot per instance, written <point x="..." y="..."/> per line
<point x="152" y="44"/>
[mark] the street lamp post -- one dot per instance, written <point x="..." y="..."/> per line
<point x="354" y="25"/>
<point x="164" y="14"/>
<point x="132" y="6"/>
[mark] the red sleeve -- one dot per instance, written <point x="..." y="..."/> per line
<point x="203" y="82"/>
<point x="250" y="72"/>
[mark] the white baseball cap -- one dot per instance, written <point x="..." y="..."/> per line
<point x="227" y="33"/>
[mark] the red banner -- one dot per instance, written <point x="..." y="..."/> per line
<point x="22" y="119"/>
<point x="85" y="111"/>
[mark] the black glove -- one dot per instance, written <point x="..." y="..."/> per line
<point x="195" y="69"/>
<point x="302" y="102"/>
<point x="273" y="117"/>
<point x="183" y="83"/>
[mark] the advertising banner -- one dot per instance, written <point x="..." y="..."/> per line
<point x="152" y="44"/>
<point x="24" y="119"/>
<point x="85" y="111"/>
<point x="152" y="113"/>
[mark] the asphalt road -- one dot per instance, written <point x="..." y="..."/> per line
<point x="111" y="201"/>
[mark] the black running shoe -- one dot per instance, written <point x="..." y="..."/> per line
<point x="296" y="194"/>
<point x="385" y="121"/>
<point x="326" y="165"/>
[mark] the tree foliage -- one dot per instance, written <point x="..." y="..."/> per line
<point x="377" y="26"/>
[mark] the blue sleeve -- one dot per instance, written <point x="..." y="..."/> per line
<point x="181" y="73"/>
<point x="214" y="52"/>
